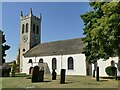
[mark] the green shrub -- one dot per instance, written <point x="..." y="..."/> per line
<point x="110" y="70"/>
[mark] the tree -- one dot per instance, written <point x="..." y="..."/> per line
<point x="4" y="48"/>
<point x="102" y="31"/>
<point x="89" y="19"/>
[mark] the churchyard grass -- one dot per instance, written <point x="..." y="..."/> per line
<point x="24" y="81"/>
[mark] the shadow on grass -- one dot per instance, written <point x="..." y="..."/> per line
<point x="21" y="75"/>
<point x="67" y="82"/>
<point x="41" y="82"/>
<point x="107" y="77"/>
<point x="103" y="80"/>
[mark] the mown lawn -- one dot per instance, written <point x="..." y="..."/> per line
<point x="20" y="81"/>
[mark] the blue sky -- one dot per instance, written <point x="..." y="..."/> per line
<point x="60" y="21"/>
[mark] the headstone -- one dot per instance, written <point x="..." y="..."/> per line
<point x="116" y="75"/>
<point x="62" y="76"/>
<point x="46" y="67"/>
<point x="35" y="74"/>
<point x="6" y="70"/>
<point x="94" y="73"/>
<point x="97" y="74"/>
<point x="54" y="75"/>
<point x="41" y="75"/>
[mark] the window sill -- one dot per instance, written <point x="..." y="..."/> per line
<point x="71" y="70"/>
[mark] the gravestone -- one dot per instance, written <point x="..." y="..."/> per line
<point x="46" y="67"/>
<point x="41" y="75"/>
<point x="97" y="74"/>
<point x="116" y="75"/>
<point x="95" y="68"/>
<point x="35" y="74"/>
<point x="6" y="70"/>
<point x="62" y="76"/>
<point x="54" y="75"/>
<point x="94" y="73"/>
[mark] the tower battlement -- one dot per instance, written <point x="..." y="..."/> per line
<point x="22" y="17"/>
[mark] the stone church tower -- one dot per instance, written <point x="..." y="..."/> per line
<point x="30" y="35"/>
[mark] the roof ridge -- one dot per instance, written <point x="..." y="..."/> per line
<point x="60" y="40"/>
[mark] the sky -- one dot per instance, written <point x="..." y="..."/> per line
<point x="60" y="21"/>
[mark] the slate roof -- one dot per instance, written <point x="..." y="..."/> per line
<point x="70" y="46"/>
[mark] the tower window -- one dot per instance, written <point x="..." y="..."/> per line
<point x="37" y="32"/>
<point x="23" y="28"/>
<point x="26" y="27"/>
<point x="33" y="28"/>
<point x="23" y="50"/>
<point x="70" y="63"/>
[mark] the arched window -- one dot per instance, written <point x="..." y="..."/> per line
<point x="30" y="61"/>
<point x="70" y="63"/>
<point x="26" y="27"/>
<point x="23" y="28"/>
<point x="41" y="60"/>
<point x="112" y="63"/>
<point x="37" y="32"/>
<point x="33" y="28"/>
<point x="54" y="63"/>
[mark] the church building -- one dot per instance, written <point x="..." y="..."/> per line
<point x="64" y="54"/>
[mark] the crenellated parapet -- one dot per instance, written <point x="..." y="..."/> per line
<point x="30" y="15"/>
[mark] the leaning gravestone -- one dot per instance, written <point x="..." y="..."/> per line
<point x="35" y="74"/>
<point x="62" y="76"/>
